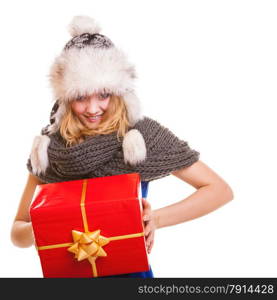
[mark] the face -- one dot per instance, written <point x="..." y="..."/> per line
<point x="91" y="109"/>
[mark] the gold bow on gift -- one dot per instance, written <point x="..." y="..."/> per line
<point x="88" y="245"/>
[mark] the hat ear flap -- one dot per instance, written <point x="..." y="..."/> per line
<point x="134" y="107"/>
<point x="58" y="111"/>
<point x="134" y="148"/>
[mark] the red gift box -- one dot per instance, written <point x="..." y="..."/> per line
<point x="90" y="227"/>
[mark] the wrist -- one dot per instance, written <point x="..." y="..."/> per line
<point x="156" y="218"/>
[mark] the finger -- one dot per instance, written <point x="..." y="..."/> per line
<point x="146" y="216"/>
<point x="146" y="211"/>
<point x="150" y="247"/>
<point x="145" y="203"/>
<point x="147" y="230"/>
<point x="149" y="238"/>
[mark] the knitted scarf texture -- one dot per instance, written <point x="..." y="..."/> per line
<point x="102" y="155"/>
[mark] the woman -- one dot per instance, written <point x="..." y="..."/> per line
<point x="97" y="129"/>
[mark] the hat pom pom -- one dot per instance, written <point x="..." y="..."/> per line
<point x="134" y="148"/>
<point x="83" y="24"/>
<point x="39" y="156"/>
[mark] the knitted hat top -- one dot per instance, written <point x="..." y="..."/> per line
<point x="90" y="63"/>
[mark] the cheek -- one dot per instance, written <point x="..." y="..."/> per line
<point x="105" y="105"/>
<point x="78" y="107"/>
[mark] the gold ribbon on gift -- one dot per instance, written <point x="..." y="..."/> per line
<point x="88" y="245"/>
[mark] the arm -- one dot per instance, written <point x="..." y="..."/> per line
<point x="22" y="232"/>
<point x="212" y="192"/>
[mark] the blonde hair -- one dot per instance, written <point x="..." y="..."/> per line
<point x="115" y="119"/>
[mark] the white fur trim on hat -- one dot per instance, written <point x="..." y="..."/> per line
<point x="78" y="72"/>
<point x="39" y="156"/>
<point x="134" y="148"/>
<point x="83" y="24"/>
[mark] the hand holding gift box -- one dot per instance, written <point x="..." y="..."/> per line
<point x="90" y="227"/>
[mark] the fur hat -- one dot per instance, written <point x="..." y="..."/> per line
<point x="90" y="63"/>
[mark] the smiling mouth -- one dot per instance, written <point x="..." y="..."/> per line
<point x="94" y="118"/>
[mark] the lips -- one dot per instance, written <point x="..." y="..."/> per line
<point x="94" y="118"/>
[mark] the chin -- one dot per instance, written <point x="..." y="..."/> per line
<point x="92" y="125"/>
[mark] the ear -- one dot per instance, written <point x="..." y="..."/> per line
<point x="134" y="148"/>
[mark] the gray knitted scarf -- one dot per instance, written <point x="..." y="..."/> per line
<point x="102" y="155"/>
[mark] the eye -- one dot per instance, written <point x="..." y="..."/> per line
<point x="104" y="95"/>
<point x="80" y="98"/>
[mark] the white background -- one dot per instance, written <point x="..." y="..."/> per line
<point x="207" y="71"/>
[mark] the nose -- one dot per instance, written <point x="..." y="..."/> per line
<point x="92" y="105"/>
